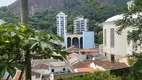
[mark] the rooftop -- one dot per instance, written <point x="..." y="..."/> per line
<point x="88" y="50"/>
<point x="110" y="65"/>
<point x="49" y="62"/>
<point x="105" y="64"/>
<point x="41" y="66"/>
<point x="82" y="64"/>
<point x="71" y="55"/>
<point x="119" y="17"/>
<point x="91" y="70"/>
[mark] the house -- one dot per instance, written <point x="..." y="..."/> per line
<point x="41" y="68"/>
<point x="107" y="65"/>
<point x="83" y="66"/>
<point x="48" y="66"/>
<point x="93" y="65"/>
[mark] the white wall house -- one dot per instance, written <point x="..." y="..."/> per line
<point x="59" y="67"/>
<point x="49" y="66"/>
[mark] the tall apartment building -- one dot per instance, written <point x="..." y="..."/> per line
<point x="61" y="24"/>
<point x="80" y="25"/>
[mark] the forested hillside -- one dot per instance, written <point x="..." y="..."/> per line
<point x="43" y="13"/>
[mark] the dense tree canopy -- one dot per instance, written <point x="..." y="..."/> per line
<point x="102" y="75"/>
<point x="16" y="41"/>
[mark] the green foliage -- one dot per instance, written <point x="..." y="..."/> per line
<point x="100" y="37"/>
<point x="45" y="20"/>
<point x="7" y="15"/>
<point x="136" y="70"/>
<point x="129" y="21"/>
<point x="17" y="41"/>
<point x="130" y="61"/>
<point x="102" y="75"/>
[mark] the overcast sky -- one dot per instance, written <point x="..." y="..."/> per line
<point x="6" y="2"/>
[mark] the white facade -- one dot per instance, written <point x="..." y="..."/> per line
<point x="61" y="24"/>
<point x="34" y="78"/>
<point x="114" y="44"/>
<point x="42" y="71"/>
<point x="80" y="25"/>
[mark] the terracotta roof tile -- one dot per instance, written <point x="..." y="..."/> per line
<point x="71" y="55"/>
<point x="110" y="65"/>
<point x="91" y="70"/>
<point x="88" y="50"/>
<point x="105" y="64"/>
<point x="41" y="66"/>
<point x="82" y="64"/>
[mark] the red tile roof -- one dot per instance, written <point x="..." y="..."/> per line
<point x="105" y="64"/>
<point x="71" y="55"/>
<point x="88" y="50"/>
<point x="41" y="66"/>
<point x="82" y="64"/>
<point x="109" y="65"/>
<point x="91" y="70"/>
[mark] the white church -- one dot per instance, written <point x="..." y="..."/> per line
<point x="115" y="46"/>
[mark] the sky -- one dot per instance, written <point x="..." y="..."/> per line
<point x="6" y="2"/>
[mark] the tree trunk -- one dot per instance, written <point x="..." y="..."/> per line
<point x="28" y="66"/>
<point x="8" y="77"/>
<point x="25" y="20"/>
<point x="24" y="12"/>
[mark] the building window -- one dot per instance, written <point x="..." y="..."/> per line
<point x="87" y="57"/>
<point x="52" y="70"/>
<point x="105" y="37"/>
<point x="105" y="54"/>
<point x="112" y="37"/>
<point x="64" y="69"/>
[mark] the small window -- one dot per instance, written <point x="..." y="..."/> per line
<point x="112" y="58"/>
<point x="112" y="38"/>
<point x="87" y="57"/>
<point x="64" y="69"/>
<point x="52" y="70"/>
<point x="105" y="54"/>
